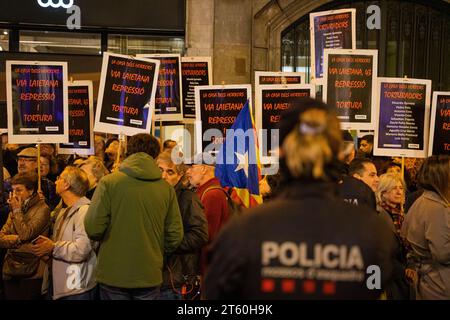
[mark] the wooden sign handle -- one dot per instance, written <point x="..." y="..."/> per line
<point x="39" y="166"/>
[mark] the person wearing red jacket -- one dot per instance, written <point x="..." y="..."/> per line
<point x="213" y="198"/>
<point x="211" y="194"/>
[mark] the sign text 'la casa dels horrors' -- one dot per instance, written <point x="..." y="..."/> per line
<point x="278" y="78"/>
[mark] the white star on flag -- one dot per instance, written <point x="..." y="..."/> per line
<point x="243" y="162"/>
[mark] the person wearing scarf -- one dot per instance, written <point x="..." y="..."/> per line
<point x="390" y="200"/>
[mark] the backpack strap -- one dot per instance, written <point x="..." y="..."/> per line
<point x="212" y="188"/>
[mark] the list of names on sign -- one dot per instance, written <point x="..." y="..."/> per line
<point x="331" y="29"/>
<point x="195" y="72"/>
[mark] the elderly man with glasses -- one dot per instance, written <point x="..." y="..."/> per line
<point x="27" y="163"/>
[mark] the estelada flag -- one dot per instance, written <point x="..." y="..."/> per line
<point x="237" y="164"/>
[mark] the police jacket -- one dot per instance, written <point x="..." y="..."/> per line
<point x="356" y="192"/>
<point x="306" y="244"/>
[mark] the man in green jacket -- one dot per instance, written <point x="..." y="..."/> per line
<point x="134" y="214"/>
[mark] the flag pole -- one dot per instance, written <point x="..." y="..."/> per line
<point x="153" y="122"/>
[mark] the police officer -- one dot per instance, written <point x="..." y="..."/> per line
<point x="307" y="243"/>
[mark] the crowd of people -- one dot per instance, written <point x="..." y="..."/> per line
<point x="135" y="225"/>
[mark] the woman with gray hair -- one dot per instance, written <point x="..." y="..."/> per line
<point x="427" y="230"/>
<point x="390" y="200"/>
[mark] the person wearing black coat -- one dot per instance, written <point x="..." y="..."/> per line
<point x="356" y="192"/>
<point x="307" y="243"/>
<point x="181" y="274"/>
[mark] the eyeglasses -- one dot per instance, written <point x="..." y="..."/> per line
<point x="18" y="190"/>
<point x="27" y="159"/>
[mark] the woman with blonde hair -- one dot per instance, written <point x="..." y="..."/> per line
<point x="427" y="230"/>
<point x="274" y="250"/>
<point x="390" y="200"/>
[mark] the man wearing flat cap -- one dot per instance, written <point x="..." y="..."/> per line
<point x="27" y="163"/>
<point x="201" y="176"/>
<point x="27" y="160"/>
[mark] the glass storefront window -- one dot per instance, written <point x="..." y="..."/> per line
<point x="413" y="41"/>
<point x="59" y="42"/>
<point x="131" y="44"/>
<point x="4" y="40"/>
<point x="288" y="54"/>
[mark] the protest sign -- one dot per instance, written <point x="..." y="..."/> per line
<point x="271" y="101"/>
<point x="402" y="117"/>
<point x="440" y="124"/>
<point x="81" y="120"/>
<point x="350" y="85"/>
<point x="330" y="29"/>
<point x="169" y="100"/>
<point x="37" y="101"/>
<point x="126" y="96"/>
<point x="216" y="109"/>
<point x="195" y="71"/>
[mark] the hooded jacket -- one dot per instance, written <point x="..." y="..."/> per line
<point x="134" y="213"/>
